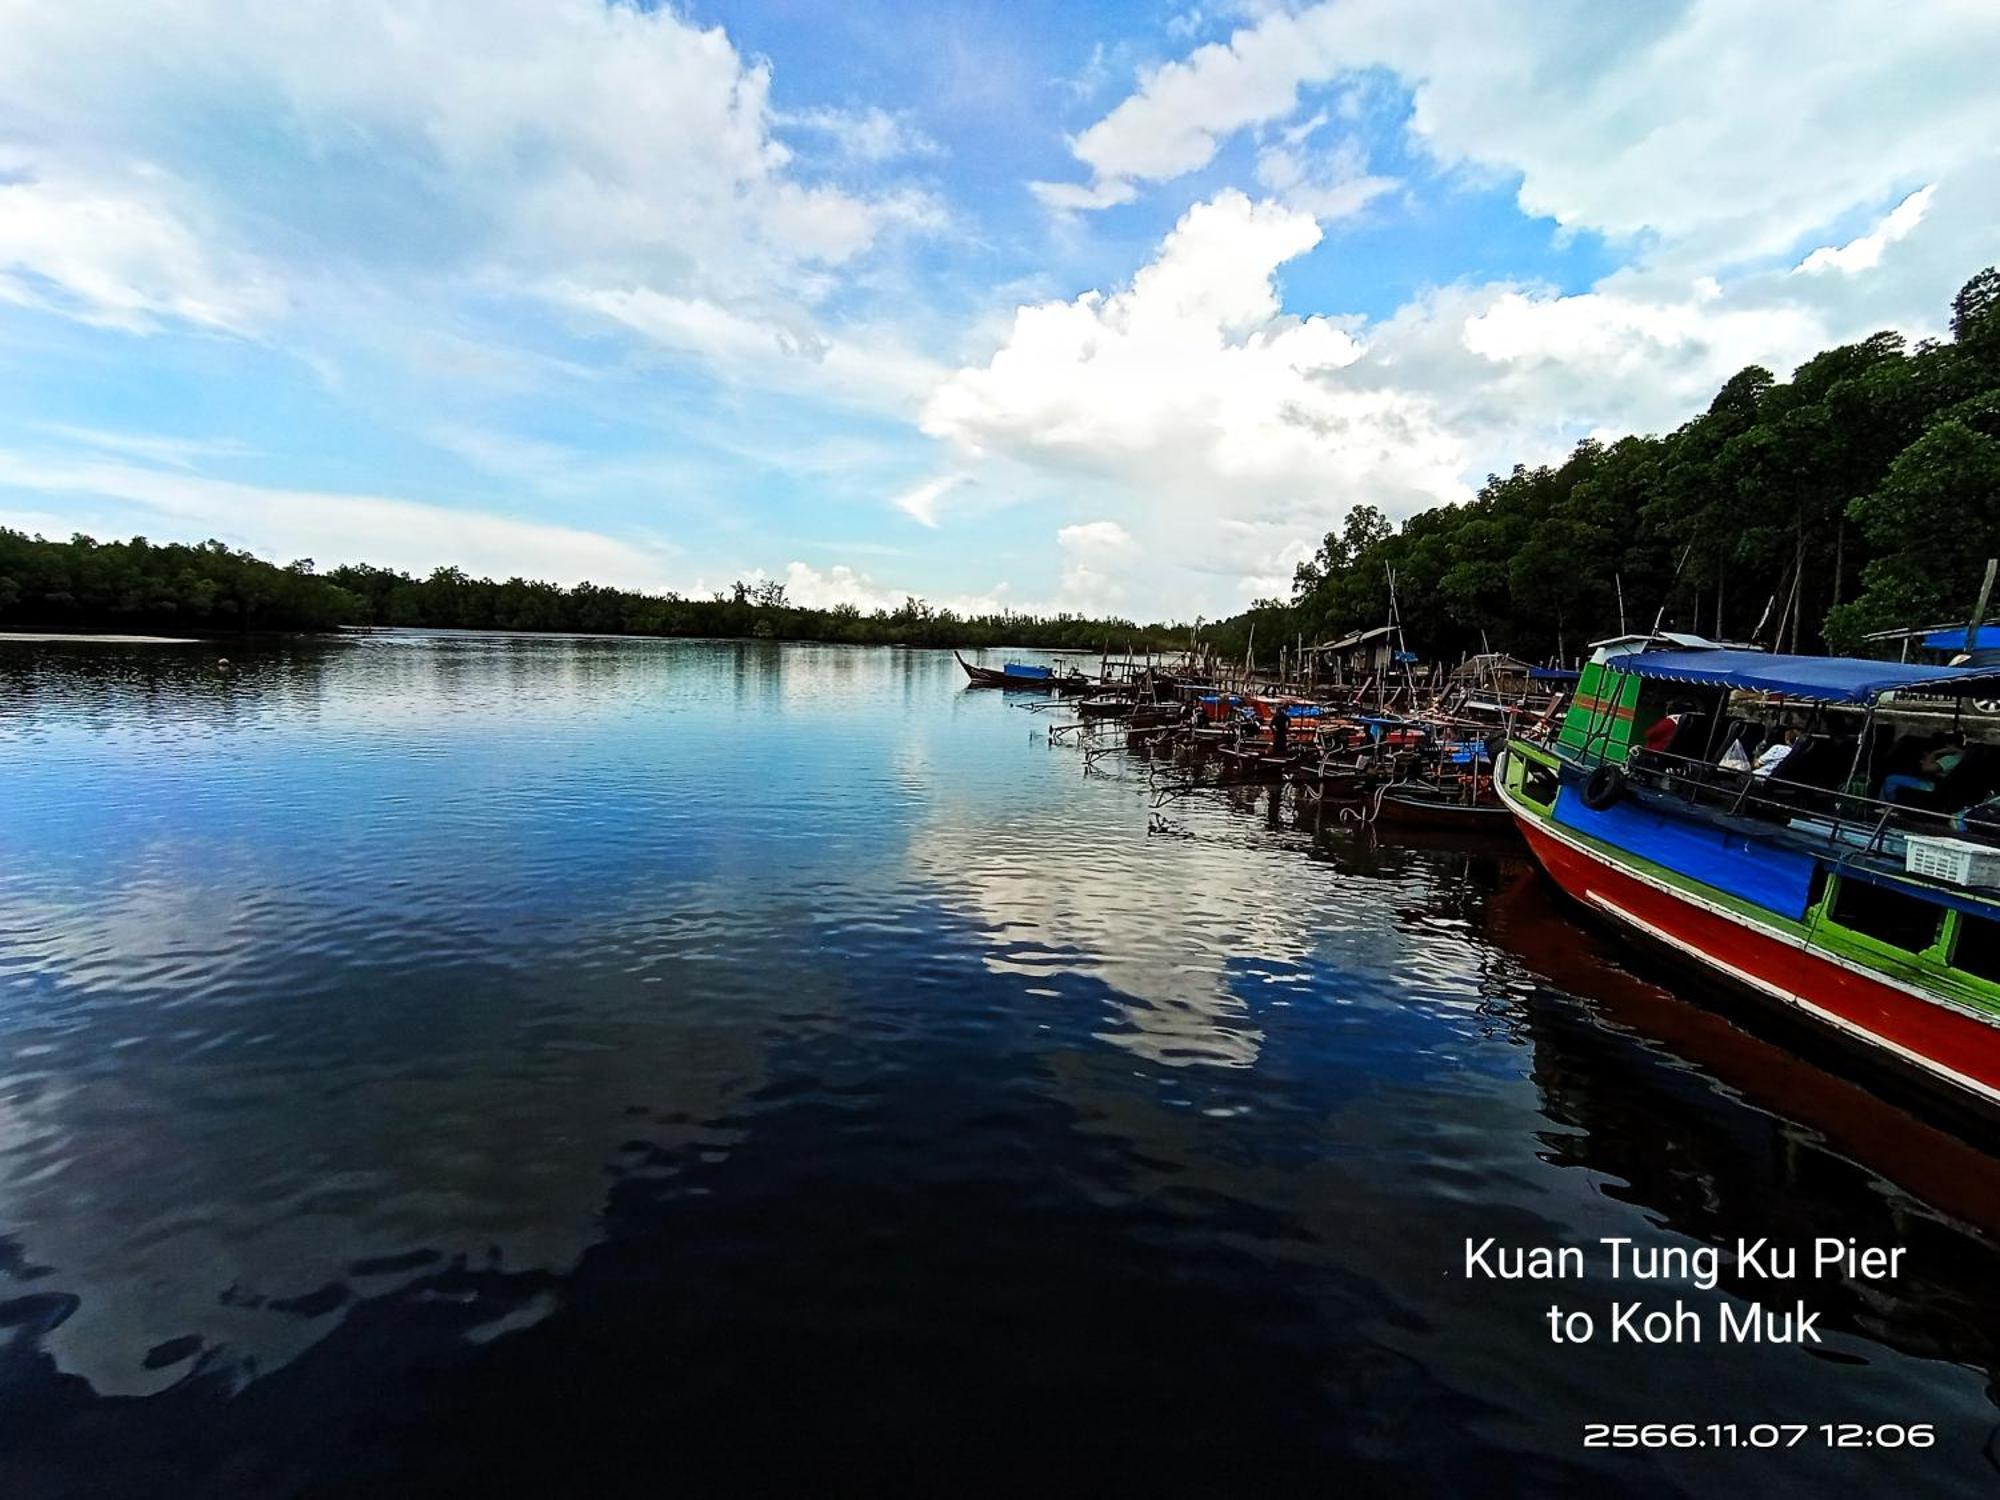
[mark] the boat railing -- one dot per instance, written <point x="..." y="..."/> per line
<point x="1842" y="819"/>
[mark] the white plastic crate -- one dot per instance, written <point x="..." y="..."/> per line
<point x="1955" y="860"/>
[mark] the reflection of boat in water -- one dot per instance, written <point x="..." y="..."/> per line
<point x="1857" y="913"/>
<point x="1653" y="1089"/>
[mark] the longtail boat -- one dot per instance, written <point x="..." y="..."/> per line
<point x="1020" y="676"/>
<point x="1852" y="876"/>
<point x="1105" y="706"/>
<point x="1419" y="804"/>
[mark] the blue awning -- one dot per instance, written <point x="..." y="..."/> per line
<point x="1823" y="679"/>
<point x="1553" y="674"/>
<point x="1988" y="639"/>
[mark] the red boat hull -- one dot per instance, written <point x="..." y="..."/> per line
<point x="1930" y="1034"/>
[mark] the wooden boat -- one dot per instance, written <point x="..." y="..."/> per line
<point x="1023" y="678"/>
<point x="1155" y="716"/>
<point x="1253" y="762"/>
<point x="1104" y="706"/>
<point x="1416" y="804"/>
<point x="1874" y="919"/>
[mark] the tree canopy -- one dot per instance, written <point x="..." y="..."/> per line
<point x="1861" y="494"/>
<point x="84" y="584"/>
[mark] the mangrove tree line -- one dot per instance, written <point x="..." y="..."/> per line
<point x="139" y="585"/>
<point x="1861" y="494"/>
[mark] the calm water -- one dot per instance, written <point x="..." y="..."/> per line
<point x="486" y="1065"/>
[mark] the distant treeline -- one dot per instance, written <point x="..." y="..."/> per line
<point x="1861" y="494"/>
<point x="139" y="585"/>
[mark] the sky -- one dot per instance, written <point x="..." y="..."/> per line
<point x="1108" y="307"/>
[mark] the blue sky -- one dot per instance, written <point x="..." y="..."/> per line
<point x="1104" y="307"/>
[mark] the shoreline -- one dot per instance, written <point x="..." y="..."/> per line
<point x="44" y="637"/>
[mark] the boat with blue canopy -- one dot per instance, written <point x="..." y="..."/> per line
<point x="1823" y="832"/>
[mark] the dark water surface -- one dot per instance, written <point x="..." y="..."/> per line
<point x="447" y="1065"/>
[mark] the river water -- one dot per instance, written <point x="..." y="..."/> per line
<point x="448" y="1064"/>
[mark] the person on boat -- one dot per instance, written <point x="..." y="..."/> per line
<point x="1281" y="730"/>
<point x="1660" y="733"/>
<point x="1939" y="762"/>
<point x="1775" y="754"/>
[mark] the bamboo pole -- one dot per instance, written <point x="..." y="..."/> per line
<point x="1979" y="610"/>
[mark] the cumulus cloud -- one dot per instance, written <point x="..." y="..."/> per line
<point x="1710" y="140"/>
<point x="1211" y="418"/>
<point x="1217" y="438"/>
<point x="1092" y="555"/>
<point x="841" y="583"/>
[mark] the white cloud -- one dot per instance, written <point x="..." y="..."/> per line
<point x="229" y="158"/>
<point x="122" y="257"/>
<point x="1213" y="421"/>
<point x="871" y="135"/>
<point x="810" y="588"/>
<point x="920" y="502"/>
<point x="777" y="349"/>
<point x="840" y="583"/>
<point x="1864" y="252"/>
<point x="1189" y="410"/>
<point x="1075" y="197"/>
<point x="1091" y="551"/>
<point x="1094" y="536"/>
<point x="1329" y="185"/>
<point x="334" y="528"/>
<point x="1734" y="128"/>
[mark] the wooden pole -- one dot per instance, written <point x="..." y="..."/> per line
<point x="1979" y="609"/>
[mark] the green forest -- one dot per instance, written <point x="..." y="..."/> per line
<point x="1862" y="494"/>
<point x="139" y="585"/>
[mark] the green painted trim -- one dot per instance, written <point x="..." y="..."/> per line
<point x="1520" y="757"/>
<point x="1928" y="970"/>
<point x="1536" y="753"/>
<point x="1926" y="966"/>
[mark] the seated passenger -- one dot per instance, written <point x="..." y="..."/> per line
<point x="1775" y="754"/>
<point x="1939" y="762"/>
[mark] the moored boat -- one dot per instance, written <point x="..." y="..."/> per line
<point x="1020" y="676"/>
<point x="1423" y="805"/>
<point x="1820" y="876"/>
<point x="1104" y="706"/>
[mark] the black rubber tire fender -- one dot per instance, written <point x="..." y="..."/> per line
<point x="1603" y="787"/>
